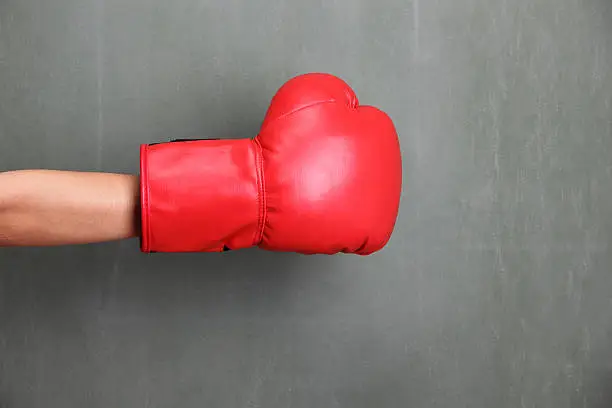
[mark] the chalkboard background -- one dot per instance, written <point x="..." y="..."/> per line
<point x="495" y="291"/>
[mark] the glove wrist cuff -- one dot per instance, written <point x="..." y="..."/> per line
<point x="200" y="195"/>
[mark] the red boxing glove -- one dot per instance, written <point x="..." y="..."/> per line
<point x="323" y="176"/>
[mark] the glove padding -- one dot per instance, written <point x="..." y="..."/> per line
<point x="323" y="176"/>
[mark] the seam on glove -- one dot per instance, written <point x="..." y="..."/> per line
<point x="145" y="232"/>
<point x="261" y="192"/>
<point x="284" y="115"/>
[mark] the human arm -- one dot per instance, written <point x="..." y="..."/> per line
<point x="46" y="207"/>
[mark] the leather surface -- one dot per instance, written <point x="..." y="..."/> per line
<point x="332" y="170"/>
<point x="200" y="195"/>
<point x="322" y="176"/>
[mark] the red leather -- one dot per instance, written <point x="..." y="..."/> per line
<point x="323" y="176"/>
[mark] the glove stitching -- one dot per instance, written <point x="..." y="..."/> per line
<point x="261" y="192"/>
<point x="296" y="110"/>
<point x="145" y="193"/>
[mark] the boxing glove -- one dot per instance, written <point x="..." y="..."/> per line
<point x="322" y="176"/>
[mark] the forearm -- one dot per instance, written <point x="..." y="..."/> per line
<point x="42" y="207"/>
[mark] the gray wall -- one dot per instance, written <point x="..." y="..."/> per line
<point x="496" y="290"/>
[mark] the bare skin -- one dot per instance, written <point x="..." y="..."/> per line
<point x="47" y="208"/>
